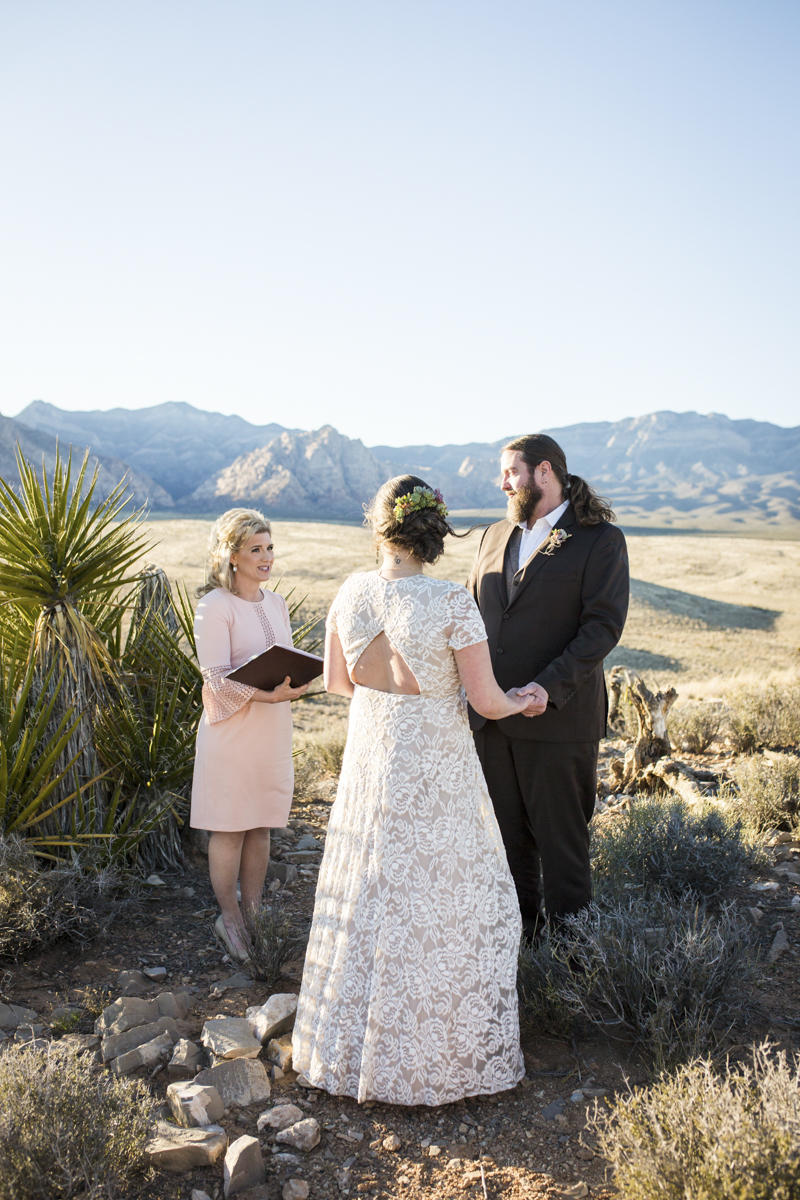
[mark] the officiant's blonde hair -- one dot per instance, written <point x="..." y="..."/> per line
<point x="228" y="534"/>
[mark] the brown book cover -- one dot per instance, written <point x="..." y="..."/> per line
<point x="269" y="669"/>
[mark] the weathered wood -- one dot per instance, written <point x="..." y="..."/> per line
<point x="652" y="740"/>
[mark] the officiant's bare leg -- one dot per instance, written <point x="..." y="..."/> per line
<point x="495" y="752"/>
<point x="253" y="868"/>
<point x="224" y="859"/>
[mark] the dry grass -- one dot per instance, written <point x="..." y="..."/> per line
<point x="767" y="794"/>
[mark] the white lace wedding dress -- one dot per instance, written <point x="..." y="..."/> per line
<point x="409" y="988"/>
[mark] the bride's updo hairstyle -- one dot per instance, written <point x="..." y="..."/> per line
<point x="421" y="532"/>
<point x="228" y="534"/>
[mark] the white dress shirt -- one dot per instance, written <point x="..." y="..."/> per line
<point x="532" y="539"/>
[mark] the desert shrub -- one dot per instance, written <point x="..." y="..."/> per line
<point x="709" y="1137"/>
<point x="318" y="758"/>
<point x="763" y="716"/>
<point x="274" y="939"/>
<point x="694" y="726"/>
<point x="540" y="975"/>
<point x="767" y="794"/>
<point x="65" y="1129"/>
<point x="666" y="844"/>
<point x="40" y="906"/>
<point x="660" y="971"/>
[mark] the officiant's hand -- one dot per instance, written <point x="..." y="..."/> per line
<point x="538" y="700"/>
<point x="284" y="691"/>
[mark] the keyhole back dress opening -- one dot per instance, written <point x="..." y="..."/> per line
<point x="409" y="988"/>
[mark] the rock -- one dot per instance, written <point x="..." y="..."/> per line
<point x="154" y="881"/>
<point x="780" y="943"/>
<point x="279" y="1050"/>
<point x="187" y="1060"/>
<point x="126" y="1013"/>
<point x="771" y="886"/>
<point x="115" y="1044"/>
<point x="279" y="1117"/>
<point x="8" y="1018"/>
<point x="577" y="1097"/>
<point x="795" y="901"/>
<point x="555" y="1109"/>
<point x="236" y="981"/>
<point x="174" y="1004"/>
<point x="175" y="1149"/>
<point x="132" y="983"/>
<point x="241" y="1081"/>
<point x="295" y="1189"/>
<point x="28" y="1033"/>
<point x="434" y="1151"/>
<point x="755" y="914"/>
<point x="195" y="1104"/>
<point x="198" y="1194"/>
<point x="244" y="1165"/>
<point x="82" y="1043"/>
<point x="274" y="1017"/>
<point x="308" y="842"/>
<point x="230" y="1037"/>
<point x="146" y="1055"/>
<point x="574" y="1192"/>
<point x="560" y="1121"/>
<point x="155" y="972"/>
<point x="303" y="1135"/>
<point x="584" y="1154"/>
<point x="275" y="1073"/>
<point x="283" y="872"/>
<point x="64" y="1012"/>
<point x="391" y="1142"/>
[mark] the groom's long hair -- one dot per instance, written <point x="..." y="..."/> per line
<point x="534" y="448"/>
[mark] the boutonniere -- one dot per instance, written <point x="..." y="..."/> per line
<point x="557" y="538"/>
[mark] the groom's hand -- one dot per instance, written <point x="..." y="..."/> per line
<point x="538" y="699"/>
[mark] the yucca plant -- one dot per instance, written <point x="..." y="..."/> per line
<point x="63" y="559"/>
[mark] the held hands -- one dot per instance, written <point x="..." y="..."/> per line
<point x="530" y="701"/>
<point x="285" y="691"/>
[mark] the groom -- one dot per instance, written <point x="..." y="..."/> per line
<point x="552" y="585"/>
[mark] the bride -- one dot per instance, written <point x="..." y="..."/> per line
<point x="409" y="987"/>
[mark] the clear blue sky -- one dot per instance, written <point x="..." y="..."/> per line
<point x="418" y="221"/>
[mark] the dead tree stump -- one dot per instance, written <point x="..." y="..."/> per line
<point x="652" y="739"/>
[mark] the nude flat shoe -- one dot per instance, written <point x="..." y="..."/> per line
<point x="224" y="937"/>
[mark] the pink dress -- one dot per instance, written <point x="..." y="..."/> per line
<point x="243" y="770"/>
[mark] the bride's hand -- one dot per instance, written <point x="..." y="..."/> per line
<point x="530" y="701"/>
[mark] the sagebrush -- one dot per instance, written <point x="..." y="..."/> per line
<point x="667" y="845"/>
<point x="763" y="716"/>
<point x="66" y="1129"/>
<point x="316" y="760"/>
<point x="704" y="1135"/>
<point x="694" y="725"/>
<point x="767" y="792"/>
<point x="40" y="905"/>
<point x="274" y="938"/>
<point x="661" y="973"/>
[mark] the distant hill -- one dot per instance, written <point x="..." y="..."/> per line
<point x="176" y="444"/>
<point x="37" y="446"/>
<point x="666" y="470"/>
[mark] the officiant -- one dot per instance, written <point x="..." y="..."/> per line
<point x="243" y="772"/>
<point x="552" y="585"/>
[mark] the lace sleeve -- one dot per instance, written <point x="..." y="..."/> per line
<point x="466" y="623"/>
<point x="223" y="697"/>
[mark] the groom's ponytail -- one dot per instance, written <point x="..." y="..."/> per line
<point x="590" y="508"/>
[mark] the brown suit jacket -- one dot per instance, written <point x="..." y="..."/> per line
<point x="567" y="613"/>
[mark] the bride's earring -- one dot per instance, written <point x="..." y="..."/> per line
<point x="236" y="568"/>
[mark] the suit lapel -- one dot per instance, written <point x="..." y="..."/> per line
<point x="537" y="560"/>
<point x="495" y="560"/>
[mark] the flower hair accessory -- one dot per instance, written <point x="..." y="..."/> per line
<point x="421" y="497"/>
<point x="557" y="538"/>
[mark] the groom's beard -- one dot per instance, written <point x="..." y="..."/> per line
<point x="522" y="503"/>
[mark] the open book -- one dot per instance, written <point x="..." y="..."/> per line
<point x="269" y="669"/>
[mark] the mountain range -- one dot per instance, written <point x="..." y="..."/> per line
<point x="666" y="469"/>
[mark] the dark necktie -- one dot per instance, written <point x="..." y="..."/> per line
<point x="510" y="572"/>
